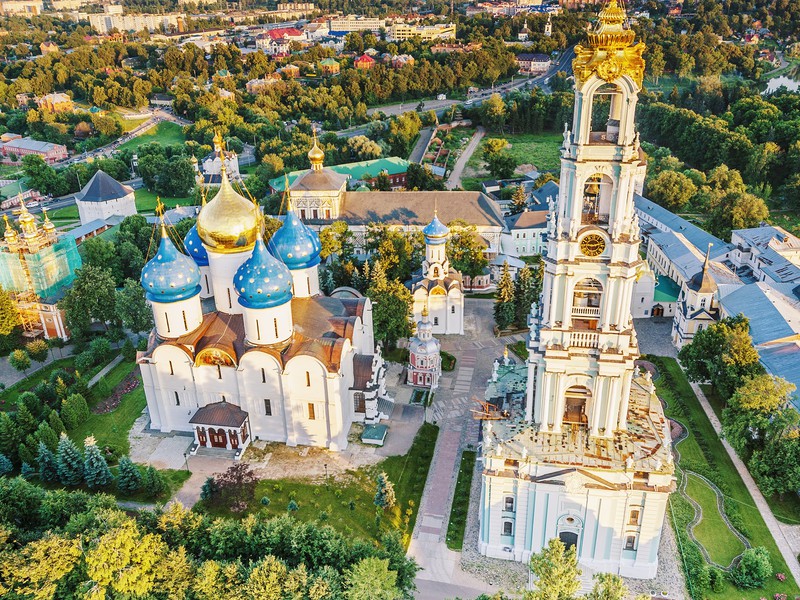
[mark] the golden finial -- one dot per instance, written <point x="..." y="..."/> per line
<point x="316" y="155"/>
<point x="218" y="141"/>
<point x="160" y="208"/>
<point x="286" y="194"/>
<point x="425" y="311"/>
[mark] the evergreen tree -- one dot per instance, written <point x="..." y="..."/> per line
<point x="384" y="493"/>
<point x="10" y="436"/>
<point x="27" y="451"/>
<point x="27" y="471"/>
<point x="6" y="466"/>
<point x="153" y="482"/>
<point x="69" y="462"/>
<point x="129" y="479"/>
<point x="48" y="466"/>
<point x="504" y="309"/>
<point x="519" y="201"/>
<point x="20" y="360"/>
<point x="45" y="433"/>
<point x="56" y="424"/>
<point x="26" y="422"/>
<point x="209" y="489"/>
<point x="523" y="296"/>
<point x="95" y="469"/>
<point x="74" y="410"/>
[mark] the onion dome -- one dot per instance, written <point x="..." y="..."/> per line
<point x="435" y="232"/>
<point x="170" y="276"/>
<point x="316" y="155"/>
<point x="229" y="223"/>
<point x="262" y="281"/>
<point x="10" y="235"/>
<point x="296" y="244"/>
<point x="194" y="247"/>
<point x="48" y="225"/>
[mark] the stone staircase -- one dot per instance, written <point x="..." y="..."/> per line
<point x="385" y="408"/>
<point x="217" y="453"/>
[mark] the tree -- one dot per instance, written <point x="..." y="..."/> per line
<point x="337" y="239"/>
<point x="95" y="469"/>
<point x="524" y="296"/>
<point x="655" y="62"/>
<point x="671" y="189"/>
<point x="37" y="350"/>
<point x="176" y="177"/>
<point x="20" y="360"/>
<point x="153" y="482"/>
<point x="371" y="579"/>
<point x="557" y="573"/>
<point x="43" y="565"/>
<point x="502" y="165"/>
<point x="519" y="201"/>
<point x="69" y="462"/>
<point x="494" y="113"/>
<point x="608" y="586"/>
<point x="391" y="312"/>
<point x="48" y="466"/>
<point x="129" y="479"/>
<point x="132" y="308"/>
<point x="384" y="492"/>
<point x="45" y="434"/>
<point x="9" y="315"/>
<point x="74" y="410"/>
<point x="91" y="298"/>
<point x="753" y="569"/>
<point x="6" y="466"/>
<point x="492" y="147"/>
<point x="236" y="487"/>
<point x="504" y="309"/>
<point x="465" y="250"/>
<point x="273" y="165"/>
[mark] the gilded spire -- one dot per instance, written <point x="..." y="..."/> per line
<point x="218" y="142"/>
<point x="48" y="224"/>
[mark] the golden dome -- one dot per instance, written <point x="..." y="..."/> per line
<point x="316" y="154"/>
<point x="229" y="223"/>
<point x="10" y="233"/>
<point x="48" y="224"/>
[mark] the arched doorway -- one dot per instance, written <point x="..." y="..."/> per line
<point x="218" y="438"/>
<point x="201" y="436"/>
<point x="658" y="310"/>
<point x="569" y="539"/>
<point x="575" y="402"/>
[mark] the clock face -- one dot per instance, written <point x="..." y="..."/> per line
<point x="593" y="245"/>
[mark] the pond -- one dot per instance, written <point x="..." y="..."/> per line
<point x="783" y="80"/>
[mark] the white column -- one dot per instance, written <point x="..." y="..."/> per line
<point x="622" y="420"/>
<point x="545" y="401"/>
<point x="612" y="407"/>
<point x="597" y="401"/>
<point x="558" y="402"/>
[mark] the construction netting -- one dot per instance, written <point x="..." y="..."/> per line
<point x="46" y="272"/>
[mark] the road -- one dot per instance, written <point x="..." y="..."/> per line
<point x="454" y="181"/>
<point x="418" y="152"/>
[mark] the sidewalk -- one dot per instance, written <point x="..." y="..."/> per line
<point x="758" y="498"/>
<point x="454" y="181"/>
<point x="9" y="375"/>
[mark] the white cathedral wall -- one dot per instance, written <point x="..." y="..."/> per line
<point x="305" y="282"/>
<point x="601" y="518"/>
<point x="268" y="325"/>
<point x="206" y="287"/>
<point x="260" y="379"/>
<point x="367" y="342"/>
<point x="174" y="319"/>
<point x="90" y="211"/>
<point x="222" y="267"/>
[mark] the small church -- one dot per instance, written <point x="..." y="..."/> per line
<point x="245" y="347"/>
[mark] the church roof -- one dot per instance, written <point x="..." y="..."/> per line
<point x="103" y="188"/>
<point x="528" y="219"/>
<point x="262" y="281"/>
<point x="194" y="246"/>
<point x="295" y="244"/>
<point x="219" y="414"/>
<point x="170" y="275"/>
<point x="417" y="208"/>
<point x="323" y="180"/>
<point x="362" y="371"/>
<point x="364" y="169"/>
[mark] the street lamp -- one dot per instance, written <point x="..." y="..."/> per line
<point x="326" y="473"/>
<point x="186" y="460"/>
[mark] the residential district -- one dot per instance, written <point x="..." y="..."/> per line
<point x="481" y="300"/>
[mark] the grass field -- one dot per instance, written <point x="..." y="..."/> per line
<point x="112" y="428"/>
<point x="520" y="349"/>
<point x="9" y="395"/>
<point x="458" y="513"/>
<point x="720" y="542"/>
<point x="166" y="133"/>
<point x="346" y="502"/>
<point x="540" y="150"/>
<point x="702" y="451"/>
<point x="146" y="201"/>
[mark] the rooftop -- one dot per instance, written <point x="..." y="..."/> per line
<point x="365" y="169"/>
<point x="103" y="188"/>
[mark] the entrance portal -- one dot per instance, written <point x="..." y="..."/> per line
<point x="219" y="438"/>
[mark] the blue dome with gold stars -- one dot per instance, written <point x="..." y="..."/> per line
<point x="435" y="232"/>
<point x="262" y="281"/>
<point x="194" y="246"/>
<point x="170" y="275"/>
<point x="296" y="244"/>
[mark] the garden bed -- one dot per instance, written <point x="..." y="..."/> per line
<point x="458" y="512"/>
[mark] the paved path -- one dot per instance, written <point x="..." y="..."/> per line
<point x="418" y="152"/>
<point x="758" y="498"/>
<point x="104" y="371"/>
<point x="9" y="375"/>
<point x="454" y="180"/>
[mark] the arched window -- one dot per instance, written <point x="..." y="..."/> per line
<point x="435" y="271"/>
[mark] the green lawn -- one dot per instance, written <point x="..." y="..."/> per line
<point x="458" y="513"/>
<point x="448" y="361"/>
<point x="539" y="149"/>
<point x="702" y="451"/>
<point x="112" y="428"/>
<point x="346" y="502"/>
<point x="712" y="532"/>
<point x="9" y="395"/>
<point x="146" y="201"/>
<point x="166" y="133"/>
<point x="520" y="349"/>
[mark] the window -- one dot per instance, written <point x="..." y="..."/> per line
<point x="230" y="304"/>
<point x="185" y="323"/>
<point x="177" y="399"/>
<point x="219" y="372"/>
<point x="275" y="324"/>
<point x="435" y="320"/>
<point x="634" y="518"/>
<point x="171" y="370"/>
<point x="267" y="407"/>
<point x="258" y="330"/>
<point x="508" y="528"/>
<point x="359" y="402"/>
<point x="311" y="413"/>
<point x="263" y="375"/>
<point x="508" y="504"/>
<point x="303" y="213"/>
<point x="452" y="310"/>
<point x="630" y="542"/>
<point x="308" y="284"/>
<point x="435" y="271"/>
<point x="308" y="379"/>
<point x="166" y="320"/>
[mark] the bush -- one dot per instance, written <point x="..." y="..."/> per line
<point x="716" y="579"/>
<point x="208" y="490"/>
<point x="129" y="479"/>
<point x="20" y="360"/>
<point x="37" y="350"/>
<point x="292" y="506"/>
<point x="153" y="483"/>
<point x="753" y="569"/>
<point x="84" y="361"/>
<point x="99" y="350"/>
<point x="265" y="501"/>
<point x="128" y="351"/>
<point x="74" y="410"/>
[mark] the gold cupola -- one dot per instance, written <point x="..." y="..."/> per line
<point x="229" y="223"/>
<point x="316" y="155"/>
<point x="10" y="235"/>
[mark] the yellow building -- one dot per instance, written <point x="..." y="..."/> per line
<point x="55" y="103"/>
<point x="427" y="33"/>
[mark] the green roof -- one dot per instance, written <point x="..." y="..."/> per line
<point x="355" y="170"/>
<point x="328" y="62"/>
<point x="666" y="290"/>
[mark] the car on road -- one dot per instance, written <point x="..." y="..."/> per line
<point x="469" y="102"/>
<point x="441" y="97"/>
<point x="32" y="204"/>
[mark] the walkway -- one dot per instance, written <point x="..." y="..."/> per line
<point x="418" y="152"/>
<point x="758" y="498"/>
<point x="104" y="371"/>
<point x="454" y="181"/>
<point x="9" y="375"/>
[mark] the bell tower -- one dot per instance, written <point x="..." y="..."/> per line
<point x="582" y="343"/>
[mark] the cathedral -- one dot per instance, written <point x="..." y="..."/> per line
<point x="245" y="346"/>
<point x="584" y="455"/>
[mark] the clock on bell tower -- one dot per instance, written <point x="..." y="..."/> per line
<point x="582" y="343"/>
